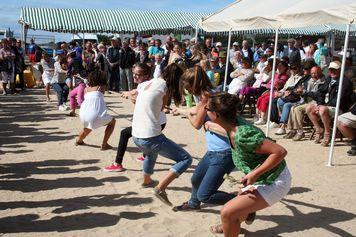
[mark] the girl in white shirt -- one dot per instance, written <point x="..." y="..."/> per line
<point x="147" y="133"/>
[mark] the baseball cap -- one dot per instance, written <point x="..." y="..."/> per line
<point x="235" y="44"/>
<point x="218" y="44"/>
<point x="334" y="65"/>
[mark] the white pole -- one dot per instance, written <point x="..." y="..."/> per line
<point x="196" y="33"/>
<point x="272" y="82"/>
<point x="227" y="59"/>
<point x="346" y="44"/>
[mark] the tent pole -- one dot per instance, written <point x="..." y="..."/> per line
<point x="346" y="44"/>
<point x="227" y="59"/>
<point x="196" y="33"/>
<point x="272" y="82"/>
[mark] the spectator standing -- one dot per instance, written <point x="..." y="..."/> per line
<point x="157" y="49"/>
<point x="7" y="57"/>
<point x="113" y="57"/>
<point x="126" y="62"/>
<point x="142" y="55"/>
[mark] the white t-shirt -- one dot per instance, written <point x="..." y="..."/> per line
<point x="140" y="88"/>
<point x="146" y="118"/>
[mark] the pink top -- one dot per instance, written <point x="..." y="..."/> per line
<point x="278" y="79"/>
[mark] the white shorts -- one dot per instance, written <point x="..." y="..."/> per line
<point x="273" y="193"/>
<point x="7" y="77"/>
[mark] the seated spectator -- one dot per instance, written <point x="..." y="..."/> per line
<point x="241" y="77"/>
<point x="347" y="126"/>
<point x="309" y="95"/>
<point x="263" y="101"/>
<point x="324" y="109"/>
<point x="236" y="61"/>
<point x="290" y="95"/>
<point x="262" y="63"/>
<point x="261" y="78"/>
<point x="59" y="83"/>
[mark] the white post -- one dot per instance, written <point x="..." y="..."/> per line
<point x="227" y="59"/>
<point x="346" y="44"/>
<point x="272" y="82"/>
<point x="196" y="33"/>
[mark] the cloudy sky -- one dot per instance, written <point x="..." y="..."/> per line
<point x="10" y="9"/>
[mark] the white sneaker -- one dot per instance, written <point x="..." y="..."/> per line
<point x="273" y="125"/>
<point x="65" y="107"/>
<point x="260" y="122"/>
<point x="281" y="131"/>
<point x="61" y="108"/>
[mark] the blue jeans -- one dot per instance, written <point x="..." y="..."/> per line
<point x="62" y="92"/>
<point x="208" y="176"/>
<point x="161" y="145"/>
<point x="284" y="108"/>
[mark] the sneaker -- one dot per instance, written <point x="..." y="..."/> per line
<point x="140" y="159"/>
<point x="273" y="125"/>
<point x="281" y="131"/>
<point x="290" y="134"/>
<point x="298" y="137"/>
<point x="65" y="107"/>
<point x="61" y="108"/>
<point x="260" y="122"/>
<point x="162" y="195"/>
<point x="114" y="168"/>
<point x="185" y="207"/>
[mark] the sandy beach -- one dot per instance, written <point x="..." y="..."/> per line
<point x="49" y="187"/>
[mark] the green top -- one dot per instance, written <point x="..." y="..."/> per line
<point x="247" y="140"/>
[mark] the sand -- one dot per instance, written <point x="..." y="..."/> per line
<point x="49" y="187"/>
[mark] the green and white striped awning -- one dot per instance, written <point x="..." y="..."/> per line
<point x="144" y="22"/>
<point x="113" y="21"/>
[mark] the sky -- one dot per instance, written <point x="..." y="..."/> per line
<point x="10" y="9"/>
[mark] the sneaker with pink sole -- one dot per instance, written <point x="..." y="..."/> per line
<point x="140" y="159"/>
<point x="114" y="168"/>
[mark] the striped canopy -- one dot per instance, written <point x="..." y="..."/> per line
<point x="114" y="21"/>
<point x="134" y="21"/>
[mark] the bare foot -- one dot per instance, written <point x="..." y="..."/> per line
<point x="105" y="147"/>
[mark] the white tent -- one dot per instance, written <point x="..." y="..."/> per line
<point x="280" y="14"/>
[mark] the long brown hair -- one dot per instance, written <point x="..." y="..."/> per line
<point x="172" y="75"/>
<point x="197" y="79"/>
<point x="226" y="106"/>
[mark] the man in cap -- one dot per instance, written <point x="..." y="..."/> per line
<point x="292" y="52"/>
<point x="113" y="57"/>
<point x="326" y="103"/>
<point x="235" y="48"/>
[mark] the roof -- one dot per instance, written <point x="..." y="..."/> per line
<point x="105" y="20"/>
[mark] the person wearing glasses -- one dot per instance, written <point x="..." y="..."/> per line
<point x="266" y="176"/>
<point x="147" y="130"/>
<point x="142" y="76"/>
